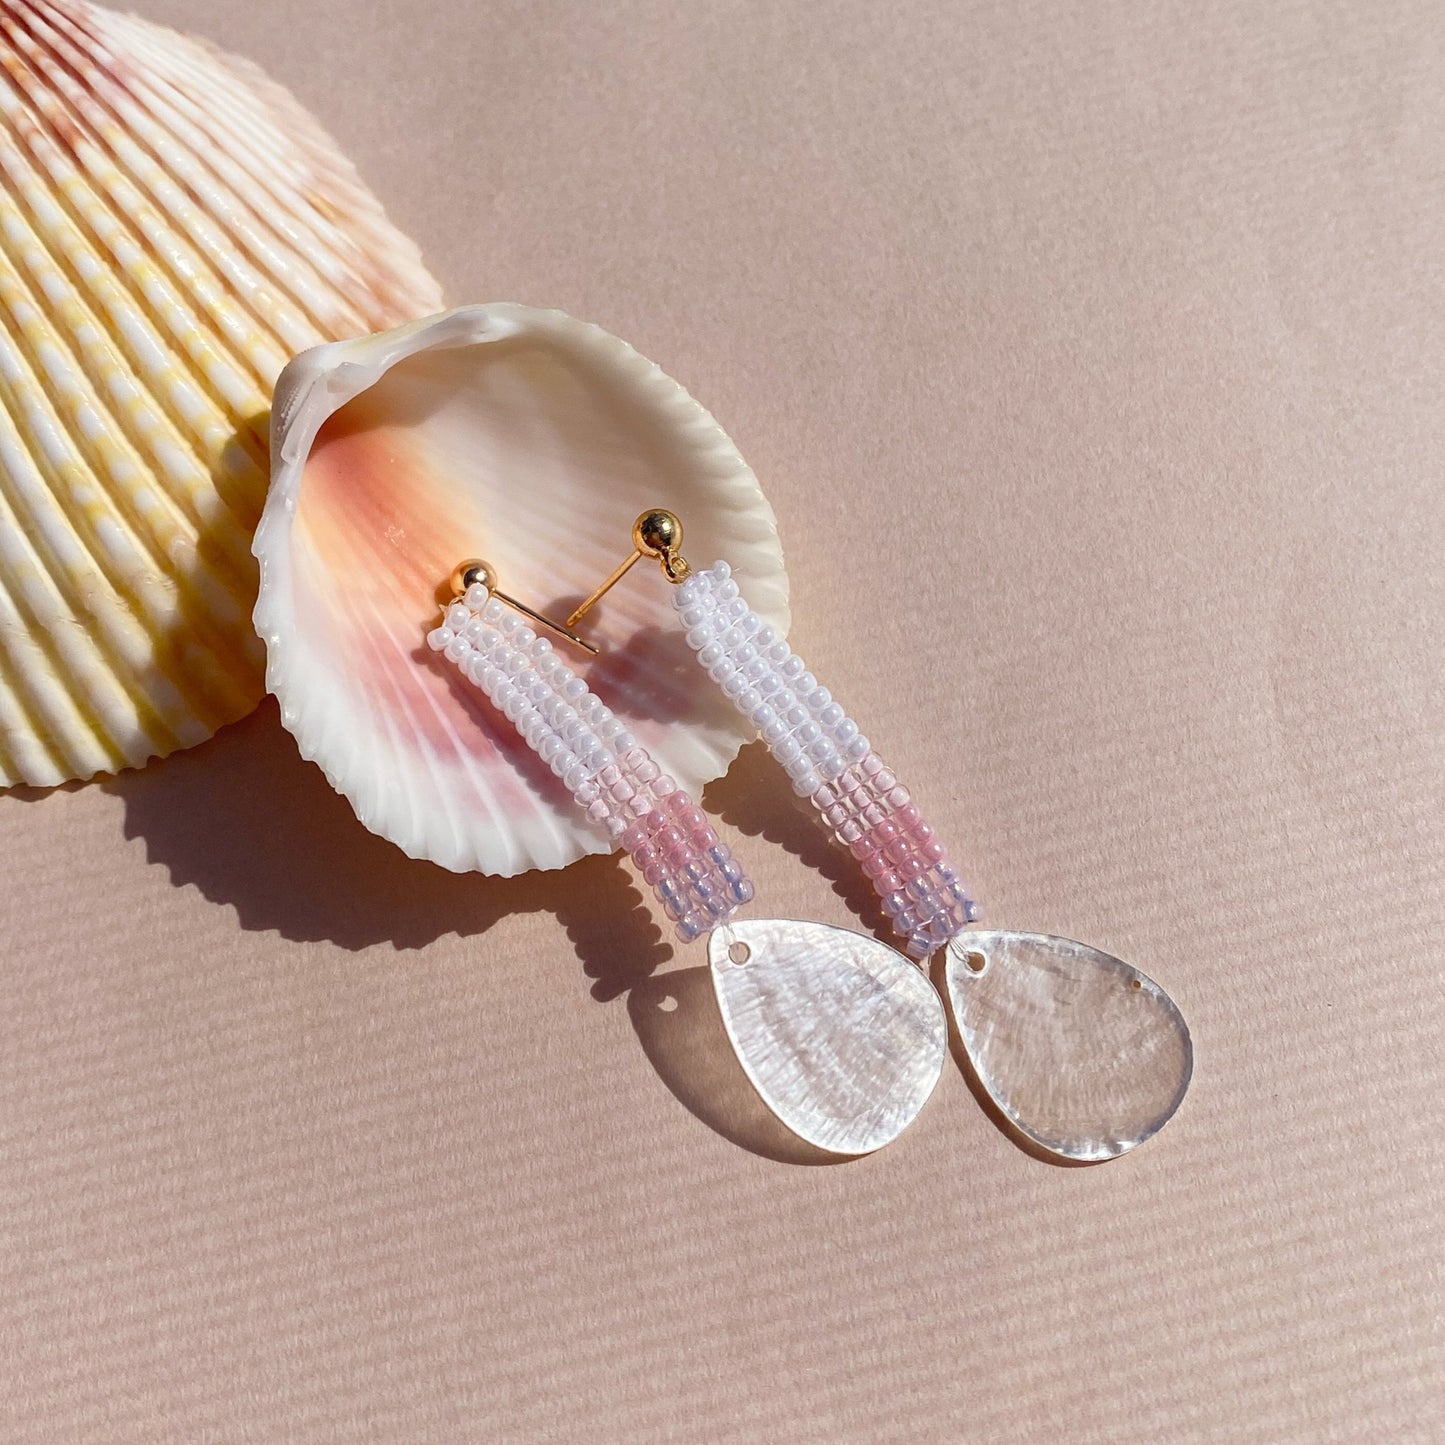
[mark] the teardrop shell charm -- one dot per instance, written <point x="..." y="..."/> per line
<point x="841" y="1035"/>
<point x="1082" y="1053"/>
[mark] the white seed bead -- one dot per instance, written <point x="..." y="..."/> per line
<point x="623" y="743"/>
<point x="438" y="638"/>
<point x="493" y="612"/>
<point x="457" y="617"/>
<point x="476" y="597"/>
<point x="456" y="649"/>
<point x="711" y="655"/>
<point x="785" y="750"/>
<point x="831" y="715"/>
<point x="806" y="784"/>
<point x="858" y="749"/>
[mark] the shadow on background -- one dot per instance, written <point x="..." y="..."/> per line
<point x="252" y="825"/>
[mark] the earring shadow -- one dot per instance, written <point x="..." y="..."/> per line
<point x="938" y="972"/>
<point x="754" y="797"/>
<point x="680" y="1028"/>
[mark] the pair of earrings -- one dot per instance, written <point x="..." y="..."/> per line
<point x="843" y="1037"/>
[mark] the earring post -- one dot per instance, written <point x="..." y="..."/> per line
<point x="599" y="592"/>
<point x="561" y="629"/>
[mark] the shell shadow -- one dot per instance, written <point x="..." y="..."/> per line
<point x="250" y="824"/>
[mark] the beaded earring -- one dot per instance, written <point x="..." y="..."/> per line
<point x="843" y="1039"/>
<point x="1083" y="1054"/>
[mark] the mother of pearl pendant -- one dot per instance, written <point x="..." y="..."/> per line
<point x="842" y="1037"/>
<point x="1082" y="1053"/>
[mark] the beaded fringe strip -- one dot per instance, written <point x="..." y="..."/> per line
<point x="828" y="760"/>
<point x="614" y="779"/>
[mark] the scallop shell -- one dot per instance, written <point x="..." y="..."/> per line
<point x="173" y="227"/>
<point x="530" y="439"/>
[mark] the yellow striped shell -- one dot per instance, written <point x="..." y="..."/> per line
<point x="533" y="440"/>
<point x="173" y="227"/>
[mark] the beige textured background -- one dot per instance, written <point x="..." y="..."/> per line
<point x="1093" y="359"/>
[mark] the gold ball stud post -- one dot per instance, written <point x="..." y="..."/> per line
<point x="473" y="570"/>
<point x="657" y="532"/>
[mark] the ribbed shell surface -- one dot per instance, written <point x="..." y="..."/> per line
<point x="173" y="227"/>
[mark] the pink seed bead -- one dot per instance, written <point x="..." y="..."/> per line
<point x="668" y="838"/>
<point x="598" y="812"/>
<point x="634" y="840"/>
<point x="897" y="852"/>
<point x="662" y="785"/>
<point x="888" y="883"/>
<point x="884" y="782"/>
<point x="622" y="790"/>
<point x="885" y="832"/>
<point x="875" y="865"/>
<point x="643" y="852"/>
<point x="610" y="775"/>
<point x="871" y="765"/>
<point x="873" y="815"/>
<point x="934" y="851"/>
<point x="862" y="847"/>
<point x="908" y="815"/>
<point x="691" y="818"/>
<point x="899" y="798"/>
<point x="837" y="815"/>
<point x="851" y="831"/>
<point x="704" y="838"/>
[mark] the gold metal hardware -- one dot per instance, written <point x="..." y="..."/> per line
<point x="656" y="533"/>
<point x="475" y="570"/>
